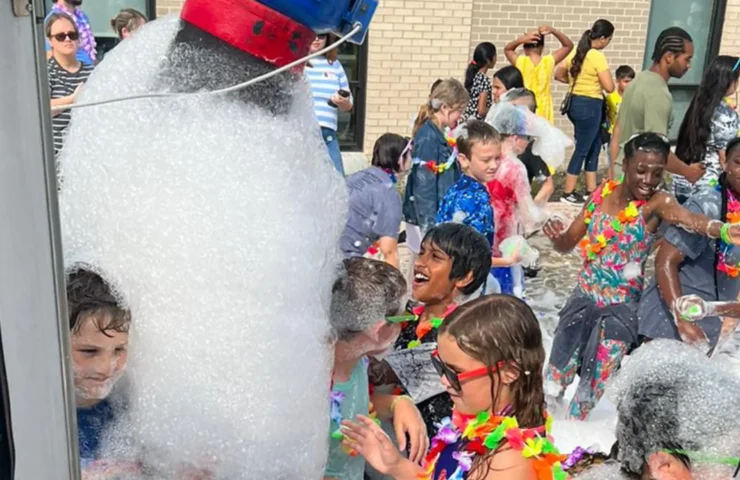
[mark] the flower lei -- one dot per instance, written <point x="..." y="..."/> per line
<point x="589" y="249"/>
<point x="486" y="433"/>
<point x="733" y="217"/>
<point x="438" y="168"/>
<point x="337" y="398"/>
<point x="423" y="328"/>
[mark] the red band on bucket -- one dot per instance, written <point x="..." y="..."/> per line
<point x="252" y="27"/>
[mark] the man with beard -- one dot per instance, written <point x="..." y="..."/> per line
<point x="86" y="52"/>
<point x="647" y="105"/>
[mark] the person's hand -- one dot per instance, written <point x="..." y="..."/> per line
<point x="691" y="308"/>
<point x="735" y="234"/>
<point x="554" y="228"/>
<point x="690" y="332"/>
<point x="369" y="440"/>
<point x="531" y="37"/>
<point x="342" y="103"/>
<point x="407" y="420"/>
<point x="694" y="172"/>
<point x="545" y="30"/>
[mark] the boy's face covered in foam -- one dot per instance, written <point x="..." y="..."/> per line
<point x="99" y="359"/>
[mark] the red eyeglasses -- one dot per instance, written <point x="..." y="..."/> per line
<point x="456" y="378"/>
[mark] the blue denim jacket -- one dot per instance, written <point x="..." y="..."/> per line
<point x="425" y="189"/>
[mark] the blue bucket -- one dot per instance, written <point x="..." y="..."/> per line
<point x="328" y="16"/>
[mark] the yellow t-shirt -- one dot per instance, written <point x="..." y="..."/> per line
<point x="538" y="78"/>
<point x="613" y="101"/>
<point x="587" y="83"/>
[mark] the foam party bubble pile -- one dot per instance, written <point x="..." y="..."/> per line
<point x="197" y="211"/>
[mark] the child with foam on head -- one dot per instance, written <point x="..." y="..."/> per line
<point x="615" y="230"/>
<point x="489" y="359"/>
<point x="366" y="300"/>
<point x="511" y="195"/>
<point x="452" y="267"/>
<point x="99" y="327"/>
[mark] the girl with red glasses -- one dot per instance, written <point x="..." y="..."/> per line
<point x="490" y="359"/>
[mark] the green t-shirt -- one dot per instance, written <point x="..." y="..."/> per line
<point x="356" y="401"/>
<point x="647" y="106"/>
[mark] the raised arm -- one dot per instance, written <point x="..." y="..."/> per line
<point x="669" y="210"/>
<point x="561" y="72"/>
<point x="510" y="48"/>
<point x="566" y="44"/>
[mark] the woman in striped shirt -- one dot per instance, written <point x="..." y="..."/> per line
<point x="66" y="72"/>
<point x="328" y="83"/>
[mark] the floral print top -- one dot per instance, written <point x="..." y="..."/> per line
<point x="617" y="274"/>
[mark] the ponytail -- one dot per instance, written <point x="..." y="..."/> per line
<point x="449" y="92"/>
<point x="470" y="74"/>
<point x="484" y="54"/>
<point x="425" y="113"/>
<point x="600" y="29"/>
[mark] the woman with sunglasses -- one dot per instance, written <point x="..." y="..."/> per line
<point x="331" y="95"/>
<point x="490" y="360"/>
<point x="66" y="73"/>
<point x="614" y="231"/>
<point x="709" y="125"/>
<point x="374" y="203"/>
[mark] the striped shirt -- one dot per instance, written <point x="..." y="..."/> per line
<point x="62" y="84"/>
<point x="325" y="80"/>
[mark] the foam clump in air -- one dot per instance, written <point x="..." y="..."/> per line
<point x="671" y="396"/>
<point x="518" y="245"/>
<point x="217" y="222"/>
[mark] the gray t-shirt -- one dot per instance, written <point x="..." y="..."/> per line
<point x="696" y="274"/>
<point x="374" y="211"/>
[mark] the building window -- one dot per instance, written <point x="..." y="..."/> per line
<point x="102" y="11"/>
<point x="703" y="19"/>
<point x="351" y="129"/>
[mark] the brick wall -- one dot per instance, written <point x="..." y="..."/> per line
<point x="501" y="21"/>
<point x="731" y="30"/>
<point x="412" y="43"/>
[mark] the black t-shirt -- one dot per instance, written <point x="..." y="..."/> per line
<point x="536" y="167"/>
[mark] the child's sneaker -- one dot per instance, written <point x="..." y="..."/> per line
<point x="587" y="196"/>
<point x="572" y="199"/>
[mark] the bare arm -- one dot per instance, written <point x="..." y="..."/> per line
<point x="546" y="191"/>
<point x="667" y="208"/>
<point x="566" y="240"/>
<point x="510" y="48"/>
<point x="607" y="81"/>
<point x="483" y="104"/>
<point x="614" y="145"/>
<point x="561" y="72"/>
<point x="389" y="248"/>
<point x="667" y="262"/>
<point x="565" y="49"/>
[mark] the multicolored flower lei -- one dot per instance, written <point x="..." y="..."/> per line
<point x="733" y="217"/>
<point x="337" y="398"/>
<point x="589" y="249"/>
<point x="486" y="433"/>
<point x="423" y="328"/>
<point x="438" y="168"/>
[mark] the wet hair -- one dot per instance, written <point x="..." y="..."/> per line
<point x="90" y="297"/>
<point x="693" y="136"/>
<point x="510" y="76"/>
<point x="647" y="142"/>
<point x="127" y="18"/>
<point x="517" y="93"/>
<point x="366" y="292"/>
<point x="448" y="92"/>
<point x="198" y="61"/>
<point x="468" y="250"/>
<point x="484" y="53"/>
<point x="625" y="71"/>
<point x="600" y="29"/>
<point x="502" y="328"/>
<point x="476" y="132"/>
<point x="56" y="16"/>
<point x="671" y="40"/>
<point x="387" y="151"/>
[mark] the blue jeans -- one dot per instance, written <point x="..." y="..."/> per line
<point x="332" y="143"/>
<point x="585" y="114"/>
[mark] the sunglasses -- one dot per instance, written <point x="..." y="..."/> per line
<point x="321" y="37"/>
<point x="60" y="37"/>
<point x="456" y="379"/>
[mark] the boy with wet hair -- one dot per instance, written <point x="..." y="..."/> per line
<point x="99" y="327"/>
<point x="367" y="299"/>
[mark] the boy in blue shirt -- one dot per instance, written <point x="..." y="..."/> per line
<point x="99" y="339"/>
<point x="367" y="299"/>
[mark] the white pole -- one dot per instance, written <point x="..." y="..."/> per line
<point x="32" y="305"/>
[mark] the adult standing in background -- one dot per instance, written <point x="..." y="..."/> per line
<point x="537" y="69"/>
<point x="478" y="84"/>
<point x="331" y="94"/>
<point x="587" y="72"/>
<point x="709" y="125"/>
<point x="66" y="72"/>
<point x="127" y="20"/>
<point x="647" y="105"/>
<point x="86" y="53"/>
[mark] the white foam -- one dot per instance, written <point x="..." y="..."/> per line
<point x="218" y="224"/>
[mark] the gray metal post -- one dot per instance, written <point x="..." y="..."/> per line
<point x="32" y="307"/>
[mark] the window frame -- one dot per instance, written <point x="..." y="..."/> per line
<point x="360" y="101"/>
<point x="716" y="25"/>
